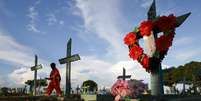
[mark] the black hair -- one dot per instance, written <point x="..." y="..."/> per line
<point x="53" y="65"/>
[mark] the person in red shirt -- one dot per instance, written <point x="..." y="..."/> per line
<point x="55" y="79"/>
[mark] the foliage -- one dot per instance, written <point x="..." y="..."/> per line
<point x="191" y="72"/>
<point x="40" y="82"/>
<point x="90" y="84"/>
<point x="4" y="91"/>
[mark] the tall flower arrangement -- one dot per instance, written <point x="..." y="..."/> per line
<point x="164" y="24"/>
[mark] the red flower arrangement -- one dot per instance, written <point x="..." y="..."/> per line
<point x="165" y="24"/>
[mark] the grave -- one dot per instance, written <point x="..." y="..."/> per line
<point x="155" y="57"/>
<point x="35" y="68"/>
<point x="67" y="60"/>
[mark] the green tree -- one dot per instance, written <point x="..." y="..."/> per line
<point x="189" y="72"/>
<point x="4" y="91"/>
<point x="39" y="83"/>
<point x="91" y="85"/>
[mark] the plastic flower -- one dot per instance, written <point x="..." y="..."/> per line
<point x="163" y="42"/>
<point x="137" y="87"/>
<point x="165" y="23"/>
<point x="135" y="52"/>
<point x="120" y="89"/>
<point x="145" y="62"/>
<point x="130" y="38"/>
<point x="146" y="28"/>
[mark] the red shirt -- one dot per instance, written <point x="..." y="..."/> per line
<point x="54" y="75"/>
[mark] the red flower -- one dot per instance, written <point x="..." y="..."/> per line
<point x="164" y="42"/>
<point x="145" y="62"/>
<point x="130" y="38"/>
<point x="136" y="52"/>
<point x="165" y="23"/>
<point x="146" y="28"/>
<point x="170" y="37"/>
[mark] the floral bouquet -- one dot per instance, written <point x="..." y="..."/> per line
<point x="123" y="89"/>
<point x="120" y="89"/>
<point x="157" y="47"/>
<point x="137" y="87"/>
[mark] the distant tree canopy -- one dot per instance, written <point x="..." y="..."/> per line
<point x="39" y="82"/>
<point x="190" y="73"/>
<point x="90" y="84"/>
<point x="4" y="91"/>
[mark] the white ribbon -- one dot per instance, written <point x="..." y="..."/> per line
<point x="149" y="43"/>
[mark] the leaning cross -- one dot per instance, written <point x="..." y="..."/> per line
<point x="124" y="76"/>
<point x="156" y="75"/>
<point x="68" y="59"/>
<point x="35" y="68"/>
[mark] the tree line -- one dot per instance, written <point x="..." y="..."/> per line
<point x="189" y="73"/>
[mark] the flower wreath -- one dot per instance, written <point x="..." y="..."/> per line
<point x="165" y="24"/>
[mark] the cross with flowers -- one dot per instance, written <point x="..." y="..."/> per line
<point x="157" y="46"/>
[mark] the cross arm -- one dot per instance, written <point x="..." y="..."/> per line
<point x="127" y="76"/>
<point x="69" y="59"/>
<point x="36" y="67"/>
<point x="182" y="18"/>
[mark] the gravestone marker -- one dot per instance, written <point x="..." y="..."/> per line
<point x="156" y="75"/>
<point x="68" y="59"/>
<point x="124" y="76"/>
<point x="35" y="68"/>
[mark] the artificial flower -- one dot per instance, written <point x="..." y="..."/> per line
<point x="130" y="38"/>
<point x="135" y="52"/>
<point x="165" y="23"/>
<point x="163" y="43"/>
<point x="145" y="62"/>
<point x="146" y="28"/>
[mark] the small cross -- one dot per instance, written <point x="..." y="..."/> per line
<point x="124" y="76"/>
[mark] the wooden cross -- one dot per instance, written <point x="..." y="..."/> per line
<point x="156" y="74"/>
<point x="68" y="59"/>
<point x="124" y="76"/>
<point x="35" y="68"/>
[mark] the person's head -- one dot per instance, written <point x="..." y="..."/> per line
<point x="53" y="65"/>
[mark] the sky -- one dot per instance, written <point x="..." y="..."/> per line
<point x="97" y="29"/>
